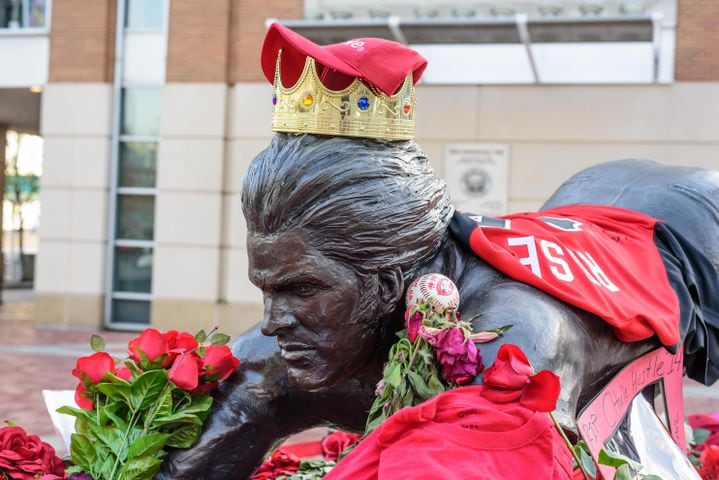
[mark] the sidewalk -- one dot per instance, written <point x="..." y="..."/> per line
<point x="36" y="358"/>
<point x="33" y="358"/>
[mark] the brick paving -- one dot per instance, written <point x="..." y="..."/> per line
<point x="35" y="357"/>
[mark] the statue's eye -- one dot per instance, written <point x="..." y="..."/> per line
<point x="303" y="289"/>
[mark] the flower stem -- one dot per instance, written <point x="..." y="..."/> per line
<point x="414" y="352"/>
<point x="569" y="446"/>
<point x="130" y="426"/>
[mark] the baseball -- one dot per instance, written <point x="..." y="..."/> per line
<point x="435" y="288"/>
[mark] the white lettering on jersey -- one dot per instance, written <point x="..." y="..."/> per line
<point x="554" y="256"/>
<point x="558" y="266"/>
<point x="532" y="260"/>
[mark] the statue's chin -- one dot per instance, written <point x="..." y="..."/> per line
<point x="310" y="380"/>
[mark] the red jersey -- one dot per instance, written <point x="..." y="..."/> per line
<point x="600" y="259"/>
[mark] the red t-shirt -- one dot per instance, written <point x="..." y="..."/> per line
<point x="460" y="435"/>
<point x="600" y="259"/>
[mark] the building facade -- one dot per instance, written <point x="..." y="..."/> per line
<point x="151" y="111"/>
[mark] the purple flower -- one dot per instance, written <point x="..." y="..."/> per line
<point x="79" y="476"/>
<point x="413" y="323"/>
<point x="460" y="359"/>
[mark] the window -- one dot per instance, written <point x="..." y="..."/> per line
<point x="145" y="13"/>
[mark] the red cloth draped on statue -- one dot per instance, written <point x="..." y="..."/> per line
<point x="458" y="435"/>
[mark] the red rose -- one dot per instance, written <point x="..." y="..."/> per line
<point x="26" y="457"/>
<point x="151" y="342"/>
<point x="337" y="442"/>
<point x="278" y="464"/>
<point x="180" y="341"/>
<point x="184" y="372"/>
<point x="123" y="373"/>
<point x="219" y="361"/>
<point x="511" y="379"/>
<point x="94" y="367"/>
<point x="412" y="323"/>
<point x="82" y="398"/>
<point x="710" y="463"/>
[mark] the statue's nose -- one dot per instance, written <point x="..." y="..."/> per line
<point x="277" y="317"/>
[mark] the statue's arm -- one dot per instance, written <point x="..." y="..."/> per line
<point x="256" y="408"/>
<point x="548" y="332"/>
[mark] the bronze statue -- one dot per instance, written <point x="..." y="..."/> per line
<point x="337" y="228"/>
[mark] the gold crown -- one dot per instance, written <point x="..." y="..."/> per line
<point x="356" y="111"/>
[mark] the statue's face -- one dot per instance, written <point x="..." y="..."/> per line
<point x="313" y="306"/>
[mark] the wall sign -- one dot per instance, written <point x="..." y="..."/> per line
<point x="477" y="177"/>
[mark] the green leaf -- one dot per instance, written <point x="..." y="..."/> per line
<point x="623" y="473"/>
<point x="392" y="375"/>
<point x="97" y="343"/>
<point x="581" y="450"/>
<point x="184" y="436"/>
<point x="75" y="412"/>
<point x="373" y="424"/>
<point x="82" y="425"/>
<point x="117" y="380"/>
<point x="613" y="459"/>
<point x="116" y="420"/>
<point x="201" y="336"/>
<point x="200" y="406"/>
<point x="147" y="445"/>
<point x="220" y="339"/>
<point x="700" y="436"/>
<point x="82" y="451"/>
<point x="165" y="403"/>
<point x="180" y="417"/>
<point x="111" y="437"/>
<point x="140" y="468"/>
<point x="105" y="468"/>
<point x="420" y="386"/>
<point x="147" y="389"/>
<point x="116" y="391"/>
<point x="651" y="477"/>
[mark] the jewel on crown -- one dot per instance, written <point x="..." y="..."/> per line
<point x="358" y="110"/>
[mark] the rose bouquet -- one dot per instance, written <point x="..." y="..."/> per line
<point x="133" y="409"/>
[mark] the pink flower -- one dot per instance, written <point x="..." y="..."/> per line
<point x="483" y="337"/>
<point x="460" y="359"/>
<point x="413" y="323"/>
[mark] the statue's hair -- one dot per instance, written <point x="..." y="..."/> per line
<point x="370" y="204"/>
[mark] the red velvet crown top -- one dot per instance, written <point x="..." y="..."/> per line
<point x="382" y="63"/>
